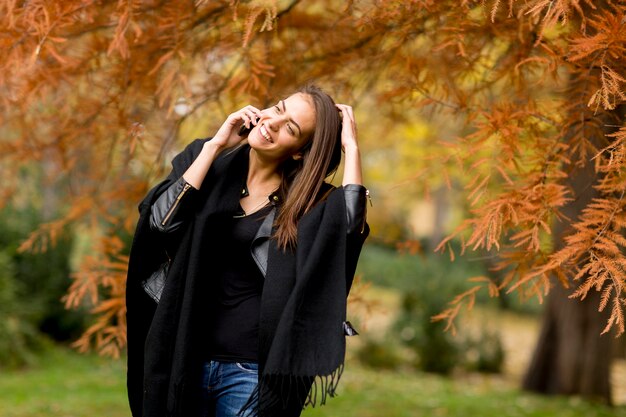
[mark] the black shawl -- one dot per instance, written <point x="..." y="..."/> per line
<point x="303" y="305"/>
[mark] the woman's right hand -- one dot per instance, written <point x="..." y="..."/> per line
<point x="226" y="137"/>
<point x="228" y="134"/>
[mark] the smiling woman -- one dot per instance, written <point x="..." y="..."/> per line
<point x="241" y="264"/>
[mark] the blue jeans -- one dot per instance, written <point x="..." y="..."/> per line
<point x="227" y="386"/>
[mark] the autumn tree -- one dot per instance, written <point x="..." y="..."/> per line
<point x="105" y="92"/>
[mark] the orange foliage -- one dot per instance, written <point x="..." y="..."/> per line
<point x="91" y="88"/>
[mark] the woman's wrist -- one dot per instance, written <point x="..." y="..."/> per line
<point x="352" y="148"/>
<point x="352" y="166"/>
<point x="212" y="148"/>
<point x="210" y="151"/>
<point x="198" y="169"/>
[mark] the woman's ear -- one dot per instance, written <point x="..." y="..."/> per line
<point x="297" y="156"/>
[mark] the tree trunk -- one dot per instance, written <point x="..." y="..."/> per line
<point x="571" y="357"/>
<point x="619" y="348"/>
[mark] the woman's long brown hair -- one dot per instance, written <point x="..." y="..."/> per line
<point x="302" y="179"/>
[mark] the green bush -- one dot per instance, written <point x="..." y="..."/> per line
<point x="43" y="277"/>
<point x="428" y="272"/>
<point x="484" y="353"/>
<point x="379" y="354"/>
<point x="428" y="282"/>
<point x="435" y="350"/>
<point x="386" y="267"/>
<point x="19" y="338"/>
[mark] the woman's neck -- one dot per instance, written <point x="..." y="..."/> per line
<point x="262" y="172"/>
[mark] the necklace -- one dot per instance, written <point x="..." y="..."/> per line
<point x="251" y="211"/>
<point x="271" y="198"/>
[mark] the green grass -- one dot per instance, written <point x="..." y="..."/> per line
<point x="370" y="393"/>
<point x="66" y="384"/>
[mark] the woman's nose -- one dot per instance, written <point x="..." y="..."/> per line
<point x="273" y="123"/>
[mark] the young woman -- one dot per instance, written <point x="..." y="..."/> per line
<point x="241" y="264"/>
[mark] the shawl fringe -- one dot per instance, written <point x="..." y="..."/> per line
<point x="276" y="391"/>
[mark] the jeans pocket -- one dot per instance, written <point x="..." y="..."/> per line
<point x="248" y="367"/>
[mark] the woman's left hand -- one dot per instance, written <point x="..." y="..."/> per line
<point x="348" y="129"/>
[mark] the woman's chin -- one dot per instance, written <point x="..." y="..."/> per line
<point x="256" y="141"/>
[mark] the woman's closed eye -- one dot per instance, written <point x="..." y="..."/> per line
<point x="278" y="110"/>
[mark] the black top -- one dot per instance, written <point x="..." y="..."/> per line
<point x="233" y="330"/>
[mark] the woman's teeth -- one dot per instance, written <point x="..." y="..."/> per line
<point x="265" y="134"/>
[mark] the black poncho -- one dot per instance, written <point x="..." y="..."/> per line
<point x="303" y="305"/>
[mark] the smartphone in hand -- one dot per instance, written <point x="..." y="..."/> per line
<point x="245" y="131"/>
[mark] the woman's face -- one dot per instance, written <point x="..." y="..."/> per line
<point x="284" y="128"/>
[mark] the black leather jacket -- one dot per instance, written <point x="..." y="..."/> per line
<point x="167" y="215"/>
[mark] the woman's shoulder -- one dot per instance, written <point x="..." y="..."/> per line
<point x="185" y="158"/>
<point x="325" y="190"/>
<point x="327" y="187"/>
<point x="328" y="192"/>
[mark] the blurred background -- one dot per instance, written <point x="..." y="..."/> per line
<point x="492" y="136"/>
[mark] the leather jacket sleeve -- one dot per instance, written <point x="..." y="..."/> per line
<point x="167" y="212"/>
<point x="356" y="207"/>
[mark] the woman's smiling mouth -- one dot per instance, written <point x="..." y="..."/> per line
<point x="265" y="134"/>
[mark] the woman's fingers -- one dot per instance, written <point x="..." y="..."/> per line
<point x="249" y="115"/>
<point x="348" y="130"/>
<point x="346" y="110"/>
<point x="348" y="115"/>
<point x="252" y="114"/>
<point x="349" y="111"/>
<point x="229" y="133"/>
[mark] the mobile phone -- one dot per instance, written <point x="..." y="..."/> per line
<point x="245" y="131"/>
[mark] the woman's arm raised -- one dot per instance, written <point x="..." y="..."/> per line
<point x="226" y="137"/>
<point x="169" y="210"/>
<point x="352" y="173"/>
<point x="354" y="192"/>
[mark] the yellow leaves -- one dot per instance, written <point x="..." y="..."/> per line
<point x="595" y="255"/>
<point x="411" y="247"/>
<point x="613" y="157"/>
<point x="449" y="315"/>
<point x="41" y="239"/>
<point x="514" y="211"/>
<point x="255" y="78"/>
<point x="478" y="190"/>
<point x="609" y="37"/>
<point x="166" y="85"/>
<point x="162" y="60"/>
<point x="266" y="8"/>
<point x="617" y="316"/>
<point x="528" y="237"/>
<point x="125" y="22"/>
<point x="466" y="299"/>
<point x="107" y="338"/>
<point x="494" y="290"/>
<point x="114" y="304"/>
<point x="610" y="94"/>
<point x="488" y="228"/>
<point x="605" y="50"/>
<point x="103" y="274"/>
<point x="528" y="209"/>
